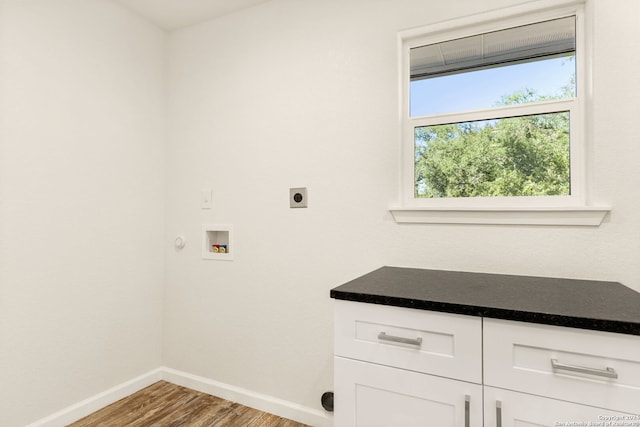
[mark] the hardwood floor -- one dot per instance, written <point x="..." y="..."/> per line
<point x="167" y="405"/>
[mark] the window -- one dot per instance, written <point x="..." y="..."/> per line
<point x="493" y="111"/>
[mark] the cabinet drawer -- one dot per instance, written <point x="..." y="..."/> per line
<point x="589" y="367"/>
<point x="437" y="343"/>
<point x="370" y="395"/>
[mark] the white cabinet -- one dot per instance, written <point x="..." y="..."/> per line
<point x="401" y="367"/>
<point x="594" y="368"/>
<point x="505" y="408"/>
<point x="372" y="395"/>
<point x="443" y="344"/>
<point x="405" y="367"/>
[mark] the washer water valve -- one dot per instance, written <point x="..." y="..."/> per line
<point x="222" y="249"/>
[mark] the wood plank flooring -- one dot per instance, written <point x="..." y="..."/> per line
<point x="168" y="405"/>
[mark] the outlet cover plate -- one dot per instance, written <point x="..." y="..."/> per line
<point x="298" y="197"/>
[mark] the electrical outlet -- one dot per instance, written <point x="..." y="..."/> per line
<point x="298" y="197"/>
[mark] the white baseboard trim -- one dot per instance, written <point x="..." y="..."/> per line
<point x="99" y="401"/>
<point x="262" y="402"/>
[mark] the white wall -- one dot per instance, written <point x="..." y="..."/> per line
<point x="304" y="93"/>
<point x="82" y="117"/>
<point x="290" y="93"/>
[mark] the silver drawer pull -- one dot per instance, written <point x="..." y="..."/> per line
<point x="467" y="404"/>
<point x="384" y="337"/>
<point x="607" y="373"/>
<point x="498" y="413"/>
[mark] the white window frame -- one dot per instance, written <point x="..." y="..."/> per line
<point x="540" y="210"/>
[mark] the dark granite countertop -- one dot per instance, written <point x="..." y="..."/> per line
<point x="585" y="304"/>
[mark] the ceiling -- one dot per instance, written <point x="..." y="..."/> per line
<point x="175" y="14"/>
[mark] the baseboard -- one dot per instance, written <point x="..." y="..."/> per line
<point x="99" y="401"/>
<point x="262" y="402"/>
<point x="245" y="397"/>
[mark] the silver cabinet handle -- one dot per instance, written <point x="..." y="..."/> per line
<point x="498" y="413"/>
<point x="384" y="337"/>
<point x="467" y="403"/>
<point x="607" y="373"/>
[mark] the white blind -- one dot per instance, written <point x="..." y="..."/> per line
<point x="523" y="43"/>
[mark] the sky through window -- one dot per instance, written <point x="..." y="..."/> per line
<point x="484" y="88"/>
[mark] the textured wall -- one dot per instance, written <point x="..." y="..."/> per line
<point x="290" y="93"/>
<point x="305" y="93"/>
<point x="81" y="202"/>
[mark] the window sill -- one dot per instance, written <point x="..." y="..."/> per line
<point x="570" y="216"/>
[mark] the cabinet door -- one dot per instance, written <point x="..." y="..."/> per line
<point x="371" y="395"/>
<point x="505" y="408"/>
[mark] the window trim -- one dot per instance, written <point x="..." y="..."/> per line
<point x="549" y="210"/>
